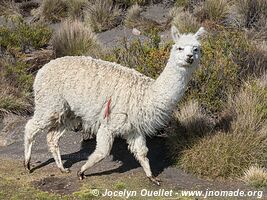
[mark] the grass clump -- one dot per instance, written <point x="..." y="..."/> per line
<point x="10" y="10"/>
<point x="75" y="8"/>
<point x="120" y="185"/>
<point x="102" y="15"/>
<point x="192" y="124"/>
<point x="216" y="10"/>
<point x="52" y="10"/>
<point x="228" y="154"/>
<point x="73" y="39"/>
<point x="84" y="194"/>
<point x="184" y="20"/>
<point x="128" y="3"/>
<point x="255" y="176"/>
<point x="12" y="100"/>
<point x="133" y="16"/>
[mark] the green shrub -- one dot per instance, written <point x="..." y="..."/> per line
<point x="224" y="57"/>
<point x="228" y="154"/>
<point x="148" y="58"/>
<point x="102" y="15"/>
<point x="18" y="76"/>
<point x="15" y="79"/>
<point x="16" y="86"/>
<point x="73" y="39"/>
<point x="23" y="36"/>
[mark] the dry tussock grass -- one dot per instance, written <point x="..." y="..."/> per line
<point x="133" y="16"/>
<point x="102" y="15"/>
<point x="252" y="13"/>
<point x="51" y="11"/>
<point x="184" y="20"/>
<point x="75" y="8"/>
<point x="193" y="123"/>
<point x="9" y="9"/>
<point x="216" y="10"/>
<point x="73" y="38"/>
<point x="227" y="154"/>
<point x="255" y="176"/>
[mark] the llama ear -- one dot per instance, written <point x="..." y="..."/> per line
<point x="175" y="33"/>
<point x="201" y="31"/>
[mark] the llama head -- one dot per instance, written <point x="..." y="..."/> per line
<point x="186" y="50"/>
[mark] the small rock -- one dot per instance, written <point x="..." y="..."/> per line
<point x="136" y="31"/>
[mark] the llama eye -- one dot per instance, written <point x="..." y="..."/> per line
<point x="180" y="48"/>
<point x="196" y="50"/>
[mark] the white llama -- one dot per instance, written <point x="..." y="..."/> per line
<point x="110" y="100"/>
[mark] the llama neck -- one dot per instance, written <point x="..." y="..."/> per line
<point x="170" y="86"/>
<point x="161" y="98"/>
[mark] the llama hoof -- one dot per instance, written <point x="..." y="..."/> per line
<point x="27" y="166"/>
<point x="155" y="180"/>
<point x="81" y="175"/>
<point x="65" y="170"/>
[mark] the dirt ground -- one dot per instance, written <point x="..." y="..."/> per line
<point x="118" y="171"/>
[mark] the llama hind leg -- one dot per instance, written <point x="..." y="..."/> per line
<point x="137" y="145"/>
<point x="31" y="129"/>
<point x="104" y="141"/>
<point x="53" y="137"/>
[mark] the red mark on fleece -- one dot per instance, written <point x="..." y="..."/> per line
<point x="107" y="110"/>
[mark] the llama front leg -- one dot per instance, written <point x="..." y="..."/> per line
<point x="53" y="137"/>
<point x="104" y="142"/>
<point x="31" y="129"/>
<point x="137" y="145"/>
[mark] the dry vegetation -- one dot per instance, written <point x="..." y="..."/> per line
<point x="52" y="10"/>
<point x="9" y="9"/>
<point x="234" y="103"/>
<point x="73" y="39"/>
<point x="228" y="153"/>
<point x="102" y="15"/>
<point x="185" y="21"/>
<point x="220" y="129"/>
<point x="255" y="176"/>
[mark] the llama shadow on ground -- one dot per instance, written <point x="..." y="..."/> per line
<point x="157" y="156"/>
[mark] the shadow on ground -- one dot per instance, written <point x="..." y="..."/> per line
<point x="120" y="154"/>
